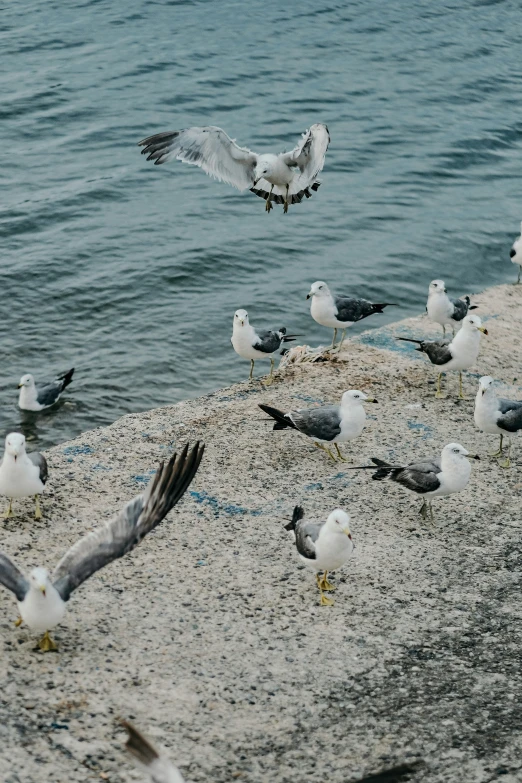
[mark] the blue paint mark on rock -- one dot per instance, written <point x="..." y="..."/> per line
<point x="143" y="478"/>
<point x="230" y="508"/>
<point x="307" y="398"/>
<point x="384" y="338"/>
<point x="422" y="429"/>
<point x="83" y="449"/>
<point x="310" y="487"/>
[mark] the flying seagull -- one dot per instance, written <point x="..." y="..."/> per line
<point x="284" y="178"/>
<point x="161" y="770"/>
<point x="497" y="416"/>
<point x="430" y="478"/>
<point x="253" y="345"/>
<point x="460" y="354"/>
<point x="339" y="312"/>
<point x="443" y="310"/>
<point x="41" y="598"/>
<point x="328" y="423"/>
<point x="22" y="475"/>
<point x="324" y="545"/>
<point x="516" y="253"/>
<point x="36" y="398"/>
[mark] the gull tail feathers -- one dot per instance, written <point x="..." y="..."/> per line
<point x="379" y="307"/>
<point x="282" y="422"/>
<point x="66" y="378"/>
<point x="296" y="516"/>
<point x="420" y="343"/>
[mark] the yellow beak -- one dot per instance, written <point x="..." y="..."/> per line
<point x="20" y="385"/>
<point x="482" y="329"/>
<point x="42" y="590"/>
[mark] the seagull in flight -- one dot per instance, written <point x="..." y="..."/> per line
<point x="283" y="179"/>
<point x="41" y="597"/>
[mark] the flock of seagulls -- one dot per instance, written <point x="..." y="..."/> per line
<point x="323" y="543"/>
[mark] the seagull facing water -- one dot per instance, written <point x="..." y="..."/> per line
<point x="497" y="416"/>
<point x="322" y="545"/>
<point x="328" y="423"/>
<point x="443" y="310"/>
<point x="36" y="398"/>
<point x="431" y="478"/>
<point x="339" y="312"/>
<point x="253" y="345"/>
<point x="41" y="598"/>
<point x="460" y="354"/>
<point x="284" y="178"/>
<point x="22" y="475"/>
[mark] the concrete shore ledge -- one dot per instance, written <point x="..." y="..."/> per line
<point x="210" y="636"/>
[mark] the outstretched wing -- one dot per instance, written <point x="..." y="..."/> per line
<point x="130" y="526"/>
<point x="159" y="767"/>
<point x="309" y="156"/>
<point x="12" y="578"/>
<point x="209" y="148"/>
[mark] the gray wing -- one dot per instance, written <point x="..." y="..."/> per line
<point x="12" y="578"/>
<point x="419" y="476"/>
<point x="208" y="147"/>
<point x="323" y="423"/>
<point x="510" y="418"/>
<point x="130" y="526"/>
<point x="41" y="463"/>
<point x="437" y="352"/>
<point x="159" y="767"/>
<point x="48" y="394"/>
<point x="349" y="309"/>
<point x="268" y="341"/>
<point x="460" y="309"/>
<point x="308" y="156"/>
<point x="306" y="534"/>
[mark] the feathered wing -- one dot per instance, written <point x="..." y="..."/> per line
<point x="510" y="418"/>
<point x="41" y="463"/>
<point x="12" y="578"/>
<point x="309" y="156"/>
<point x="306" y="534"/>
<point x="130" y="525"/>
<point x="210" y="148"/>
<point x="159" y="767"/>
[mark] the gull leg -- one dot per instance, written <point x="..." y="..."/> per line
<point x="270" y="378"/>
<point x="9" y="512"/>
<point x="37" y="509"/>
<point x="285" y="208"/>
<point x="507" y="461"/>
<point x="438" y="393"/>
<point x="432" y="516"/>
<point x="268" y="203"/>
<point x="343" y="333"/>
<point x="341" y="458"/>
<point x="519" y="273"/>
<point x="324" y="584"/>
<point x="423" y="509"/>
<point x="18" y="622"/>
<point x="325" y="601"/>
<point x="461" y="393"/>
<point x="46" y="644"/>
<point x="251" y="376"/>
<point x="323" y="448"/>
<point x="333" y="341"/>
<point x="443" y="330"/>
<point x="498" y="453"/>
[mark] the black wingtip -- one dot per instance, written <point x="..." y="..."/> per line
<point x="401" y="772"/>
<point x="298" y="514"/>
<point x="138" y="746"/>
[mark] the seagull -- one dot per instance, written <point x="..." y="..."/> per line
<point x="252" y="345"/>
<point x="36" y="398"/>
<point x="516" y="253"/>
<point x="328" y="423"/>
<point x="460" y="354"/>
<point x="497" y="416"/>
<point x="22" y="474"/>
<point x="339" y="312"/>
<point x="41" y="598"/>
<point x="284" y="178"/>
<point x="443" y="310"/>
<point x="431" y="478"/>
<point x="322" y="545"/>
<point x="159" y="768"/>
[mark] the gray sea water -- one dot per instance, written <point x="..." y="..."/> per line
<point x="131" y="273"/>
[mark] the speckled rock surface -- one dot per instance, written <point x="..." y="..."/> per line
<point x="210" y="636"/>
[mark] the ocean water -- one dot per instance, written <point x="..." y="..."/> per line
<point x="131" y="273"/>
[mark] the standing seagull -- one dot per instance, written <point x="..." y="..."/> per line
<point x="36" y="398"/>
<point x="253" y="345"/>
<point x="284" y="178"/>
<point x="339" y="312"/>
<point x="327" y="424"/>
<point x="431" y="478"/>
<point x="322" y="545"/>
<point x="41" y="598"/>
<point x="516" y="253"/>
<point x="497" y="416"/>
<point x="443" y="310"/>
<point x="460" y="354"/>
<point x="22" y="475"/>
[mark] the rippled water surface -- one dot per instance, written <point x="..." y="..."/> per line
<point x="131" y="273"/>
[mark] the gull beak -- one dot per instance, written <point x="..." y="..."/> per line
<point x="349" y="535"/>
<point x="371" y="399"/>
<point x="445" y="290"/>
<point x="42" y="590"/>
<point x="255" y="182"/>
<point x="20" y="385"/>
<point x="482" y="329"/>
<point x="474" y="456"/>
<point x="308" y="296"/>
<point x="483" y="392"/>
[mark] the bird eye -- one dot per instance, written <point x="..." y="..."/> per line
<point x="456" y="451"/>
